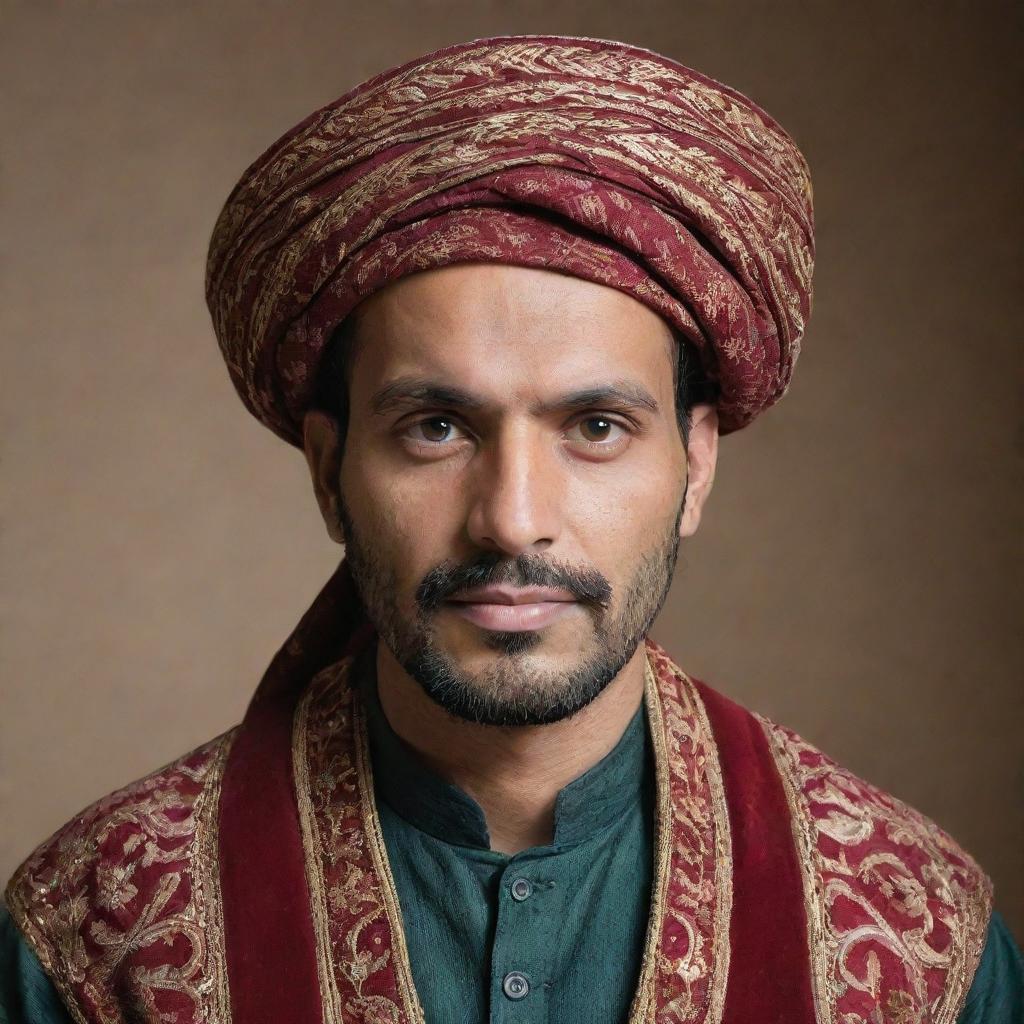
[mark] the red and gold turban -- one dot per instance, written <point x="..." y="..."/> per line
<point x="591" y="157"/>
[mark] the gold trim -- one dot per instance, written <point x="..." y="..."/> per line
<point x="207" y="880"/>
<point x="824" y="1004"/>
<point x="970" y="961"/>
<point x="645" y="1001"/>
<point x="723" y="860"/>
<point x="330" y="997"/>
<point x="969" y="964"/>
<point x="352" y="736"/>
<point x="643" y="1006"/>
<point x="378" y="851"/>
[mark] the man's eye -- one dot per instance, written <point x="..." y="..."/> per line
<point x="433" y="429"/>
<point x="602" y="431"/>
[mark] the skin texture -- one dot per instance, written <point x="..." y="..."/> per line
<point x="432" y="497"/>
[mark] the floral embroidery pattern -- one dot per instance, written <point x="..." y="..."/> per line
<point x="897" y="911"/>
<point x="363" y="965"/>
<point x="692" y="900"/>
<point x="122" y="905"/>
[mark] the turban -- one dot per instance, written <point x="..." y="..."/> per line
<point x="589" y="157"/>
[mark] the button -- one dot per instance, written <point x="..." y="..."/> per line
<point x="515" y="985"/>
<point x="522" y="889"/>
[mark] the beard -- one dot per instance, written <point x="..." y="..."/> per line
<point x="511" y="692"/>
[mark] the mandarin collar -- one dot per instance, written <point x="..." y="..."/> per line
<point x="584" y="808"/>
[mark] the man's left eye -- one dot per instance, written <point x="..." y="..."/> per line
<point x="596" y="430"/>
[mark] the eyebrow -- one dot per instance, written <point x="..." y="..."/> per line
<point x="625" y="394"/>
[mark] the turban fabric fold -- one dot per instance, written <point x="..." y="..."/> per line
<point x="595" y="158"/>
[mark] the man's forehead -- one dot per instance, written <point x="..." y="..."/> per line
<point x="496" y="297"/>
<point x="473" y="324"/>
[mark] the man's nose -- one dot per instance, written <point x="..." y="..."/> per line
<point x="517" y="493"/>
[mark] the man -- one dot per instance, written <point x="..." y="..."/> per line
<point x="506" y="298"/>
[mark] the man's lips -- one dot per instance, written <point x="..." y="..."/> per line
<point x="512" y="595"/>
<point x="503" y="608"/>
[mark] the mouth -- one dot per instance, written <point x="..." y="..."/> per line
<point x="511" y="617"/>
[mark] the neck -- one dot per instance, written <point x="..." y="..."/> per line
<point x="514" y="773"/>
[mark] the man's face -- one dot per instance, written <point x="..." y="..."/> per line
<point x="473" y="459"/>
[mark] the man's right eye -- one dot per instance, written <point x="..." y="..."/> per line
<point x="430" y="427"/>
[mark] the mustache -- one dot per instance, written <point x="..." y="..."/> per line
<point x="586" y="585"/>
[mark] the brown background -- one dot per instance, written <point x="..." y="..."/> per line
<point x="858" y="575"/>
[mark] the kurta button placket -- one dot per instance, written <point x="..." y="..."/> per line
<point x="515" y="985"/>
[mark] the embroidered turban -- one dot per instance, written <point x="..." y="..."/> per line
<point x="590" y="157"/>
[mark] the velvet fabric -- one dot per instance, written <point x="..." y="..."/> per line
<point x="270" y="944"/>
<point x="769" y="960"/>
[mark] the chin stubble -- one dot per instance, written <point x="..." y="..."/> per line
<point x="510" y="693"/>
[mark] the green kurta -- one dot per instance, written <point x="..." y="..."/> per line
<point x="553" y="934"/>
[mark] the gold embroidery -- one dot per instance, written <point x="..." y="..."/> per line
<point x="306" y="788"/>
<point x="686" y="962"/>
<point x="212" y="985"/>
<point x="122" y="906"/>
<point x="723" y="860"/>
<point x="466" y="156"/>
<point x="383" y="869"/>
<point x="362" y="959"/>
<point x="644" y="1002"/>
<point x="896" y="911"/>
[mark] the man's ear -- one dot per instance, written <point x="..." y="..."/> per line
<point x="701" y="459"/>
<point x="320" y="441"/>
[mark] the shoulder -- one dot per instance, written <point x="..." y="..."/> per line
<point x="899" y="911"/>
<point x="130" y="869"/>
